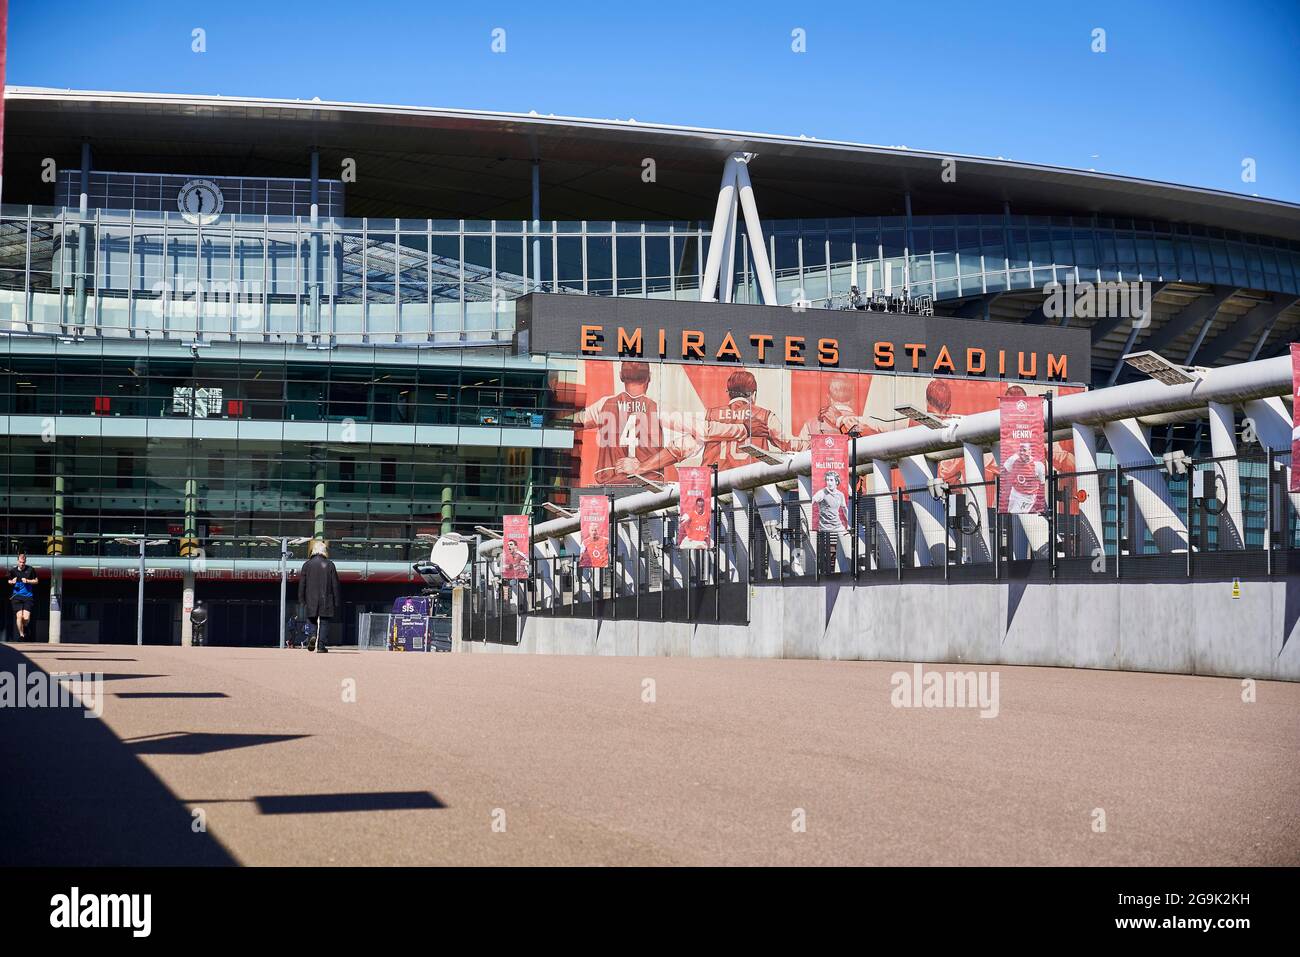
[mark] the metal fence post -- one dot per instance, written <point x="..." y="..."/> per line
<point x="853" y="500"/>
<point x="1051" y="490"/>
<point x="996" y="543"/>
<point x="948" y="533"/>
<point x="898" y="532"/>
<point x="1119" y="519"/>
<point x="717" y="546"/>
<point x="1268" y="511"/>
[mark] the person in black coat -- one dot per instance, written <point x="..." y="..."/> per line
<point x="319" y="592"/>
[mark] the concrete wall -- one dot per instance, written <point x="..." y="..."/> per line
<point x="1183" y="627"/>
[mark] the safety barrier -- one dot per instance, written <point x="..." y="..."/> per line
<point x="1158" y="521"/>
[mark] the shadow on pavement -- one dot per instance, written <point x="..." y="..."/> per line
<point x="72" y="794"/>
<point x="202" y="742"/>
<point x="124" y="676"/>
<point x="136" y="695"/>
<point x="355" y="801"/>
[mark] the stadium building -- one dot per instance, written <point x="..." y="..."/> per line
<point x="233" y="322"/>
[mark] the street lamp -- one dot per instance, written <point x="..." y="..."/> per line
<point x="284" y="543"/>
<point x="143" y="543"/>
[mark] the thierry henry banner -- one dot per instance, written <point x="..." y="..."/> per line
<point x="1024" y="455"/>
<point x="514" y="546"/>
<point x="593" y="524"/>
<point x="695" y="521"/>
<point x="830" y="483"/>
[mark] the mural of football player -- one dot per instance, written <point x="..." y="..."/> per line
<point x="627" y="427"/>
<point x="837" y="407"/>
<point x="725" y="428"/>
<point x="763" y="426"/>
<point x="938" y="401"/>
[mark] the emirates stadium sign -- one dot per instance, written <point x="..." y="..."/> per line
<point x="768" y="336"/>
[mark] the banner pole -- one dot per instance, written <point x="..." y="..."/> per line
<point x="717" y="529"/>
<point x="1051" y="488"/>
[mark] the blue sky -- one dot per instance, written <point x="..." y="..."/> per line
<point x="1184" y="92"/>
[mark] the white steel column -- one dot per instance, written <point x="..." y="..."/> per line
<point x="767" y="513"/>
<point x="754" y="230"/>
<point x="918" y="471"/>
<point x="625" y="546"/>
<point x="1223" y="444"/>
<point x="886" y="517"/>
<point x="1272" y="423"/>
<point x="1129" y="442"/>
<point x="973" y="470"/>
<point x="544" y="570"/>
<point x="1085" y="460"/>
<point x="724" y="213"/>
<point x="807" y="542"/>
<point x="726" y="275"/>
<point x="733" y="517"/>
<point x="573" y="546"/>
<point x="187" y="606"/>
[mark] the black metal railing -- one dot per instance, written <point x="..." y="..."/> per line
<point x="1154" y="521"/>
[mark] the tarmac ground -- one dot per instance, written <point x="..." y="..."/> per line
<point x="268" y="756"/>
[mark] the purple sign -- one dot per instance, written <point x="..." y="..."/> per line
<point x="410" y="628"/>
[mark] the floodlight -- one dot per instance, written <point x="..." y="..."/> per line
<point x="557" y="510"/>
<point x="928" y="419"/>
<point x="646" y="483"/>
<point x="487" y="532"/>
<point x="1161" y="369"/>
<point x="763" y="455"/>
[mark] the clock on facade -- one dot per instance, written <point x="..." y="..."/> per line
<point x="200" y="201"/>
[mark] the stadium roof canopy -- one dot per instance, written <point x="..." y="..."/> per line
<point x="454" y="164"/>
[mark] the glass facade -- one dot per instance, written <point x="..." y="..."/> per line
<point x="276" y="278"/>
<point x="219" y="447"/>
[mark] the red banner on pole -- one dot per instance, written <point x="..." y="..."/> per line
<point x="1024" y="456"/>
<point x="514" y="547"/>
<point x="593" y="525"/>
<point x="695" y="506"/>
<point x="1295" y="418"/>
<point x="830" y="483"/>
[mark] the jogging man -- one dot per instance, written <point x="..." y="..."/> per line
<point x="22" y="578"/>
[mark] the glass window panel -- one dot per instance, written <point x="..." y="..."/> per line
<point x="600" y="265"/>
<point x="510" y="265"/>
<point x="629" y="265"/>
<point x="569" y="263"/>
<point x="658" y="257"/>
